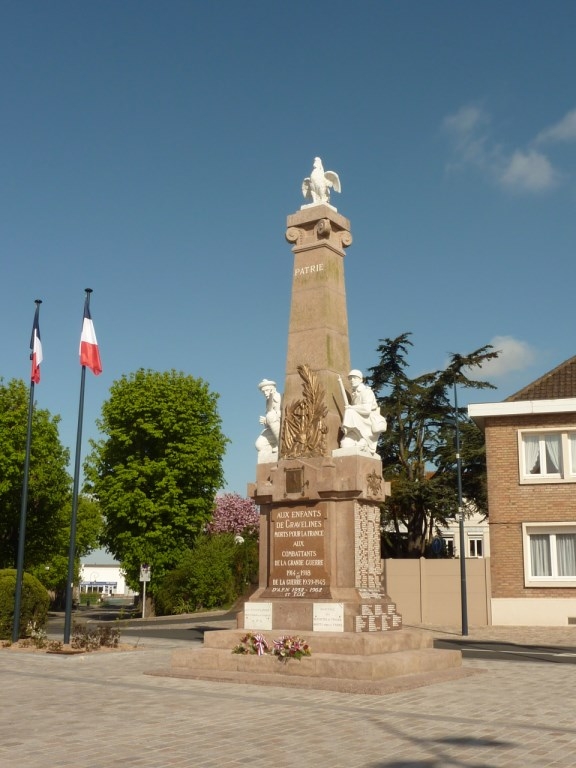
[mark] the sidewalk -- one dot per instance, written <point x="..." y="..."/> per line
<point x="547" y="636"/>
<point x="107" y="710"/>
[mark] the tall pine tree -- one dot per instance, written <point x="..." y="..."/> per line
<point x="418" y="448"/>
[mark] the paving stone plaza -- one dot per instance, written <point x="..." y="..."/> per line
<point x="103" y="710"/>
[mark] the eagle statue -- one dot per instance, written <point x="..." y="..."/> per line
<point x="317" y="185"/>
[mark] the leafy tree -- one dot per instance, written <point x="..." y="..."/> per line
<point x="157" y="470"/>
<point x="418" y="448"/>
<point x="53" y="572"/>
<point x="234" y="514"/>
<point x="48" y="479"/>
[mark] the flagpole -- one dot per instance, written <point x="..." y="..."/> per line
<point x="23" y="508"/>
<point x="72" y="550"/>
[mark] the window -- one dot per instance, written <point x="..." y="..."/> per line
<point x="475" y="546"/>
<point x="549" y="554"/>
<point x="449" y="546"/>
<point x="547" y="456"/>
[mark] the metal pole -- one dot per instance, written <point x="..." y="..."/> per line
<point x="22" y="532"/>
<point x="143" y="599"/>
<point x="24" y="507"/>
<point x="463" y="596"/>
<point x="72" y="549"/>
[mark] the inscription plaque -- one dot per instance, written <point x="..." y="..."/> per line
<point x="298" y="553"/>
<point x="328" y="617"/>
<point x="294" y="480"/>
<point x="257" y="615"/>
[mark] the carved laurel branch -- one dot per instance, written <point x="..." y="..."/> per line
<point x="304" y="430"/>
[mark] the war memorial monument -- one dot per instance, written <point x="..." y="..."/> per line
<point x="319" y="485"/>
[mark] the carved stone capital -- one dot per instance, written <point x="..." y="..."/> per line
<point x="294" y="234"/>
<point x="345" y="239"/>
<point x="323" y="228"/>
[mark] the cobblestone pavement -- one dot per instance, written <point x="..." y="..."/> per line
<point x="102" y="710"/>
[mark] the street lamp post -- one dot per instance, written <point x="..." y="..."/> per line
<point x="463" y="596"/>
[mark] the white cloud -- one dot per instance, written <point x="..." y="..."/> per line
<point x="529" y="171"/>
<point x="466" y="120"/>
<point x="565" y="130"/>
<point x="468" y="129"/>
<point x="515" y="355"/>
<point x="517" y="170"/>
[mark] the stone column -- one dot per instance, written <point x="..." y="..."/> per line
<point x="318" y="330"/>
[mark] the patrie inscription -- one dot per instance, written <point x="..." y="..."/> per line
<point x="301" y="271"/>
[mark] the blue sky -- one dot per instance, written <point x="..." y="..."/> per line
<point x="152" y="150"/>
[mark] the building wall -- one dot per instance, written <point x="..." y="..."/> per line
<point x="94" y="575"/>
<point x="511" y="504"/>
<point x="427" y="591"/>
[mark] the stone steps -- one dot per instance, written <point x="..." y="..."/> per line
<point x="340" y="661"/>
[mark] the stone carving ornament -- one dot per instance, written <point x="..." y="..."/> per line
<point x="362" y="423"/>
<point x="267" y="442"/>
<point x="304" y="429"/>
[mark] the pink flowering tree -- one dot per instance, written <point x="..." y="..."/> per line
<point x="234" y="514"/>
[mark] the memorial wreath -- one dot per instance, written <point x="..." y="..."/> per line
<point x="284" y="648"/>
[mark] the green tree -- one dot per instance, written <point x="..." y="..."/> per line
<point x="48" y="479"/>
<point x="53" y="572"/>
<point x="157" y="470"/>
<point x="418" y="448"/>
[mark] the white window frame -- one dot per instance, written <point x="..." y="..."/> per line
<point x="551" y="530"/>
<point x="475" y="537"/>
<point x="450" y="543"/>
<point x="566" y="460"/>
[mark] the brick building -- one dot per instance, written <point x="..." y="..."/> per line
<point x="531" y="468"/>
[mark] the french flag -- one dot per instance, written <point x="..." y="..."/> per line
<point x="89" y="352"/>
<point x="36" y="347"/>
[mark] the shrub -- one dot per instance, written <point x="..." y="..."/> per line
<point x="33" y="606"/>
<point x="207" y="578"/>
<point x="94" y="637"/>
<point x="172" y="596"/>
<point x="246" y="564"/>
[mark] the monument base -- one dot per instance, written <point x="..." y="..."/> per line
<point x="320" y="562"/>
<point x="346" y="611"/>
<point x="347" y="662"/>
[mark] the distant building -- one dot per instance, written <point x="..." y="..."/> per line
<point x="476" y="536"/>
<point x="531" y="471"/>
<point x="102" y="578"/>
<point x="447" y="538"/>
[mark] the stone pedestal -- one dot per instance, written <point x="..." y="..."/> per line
<point x="320" y="543"/>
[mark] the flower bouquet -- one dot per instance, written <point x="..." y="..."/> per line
<point x="287" y="647"/>
<point x="250" y="643"/>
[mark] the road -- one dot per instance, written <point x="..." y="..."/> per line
<point x="165" y="627"/>
<point x="497" y="650"/>
<point x="193" y="628"/>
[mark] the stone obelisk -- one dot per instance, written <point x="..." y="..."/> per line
<point x="320" y="567"/>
